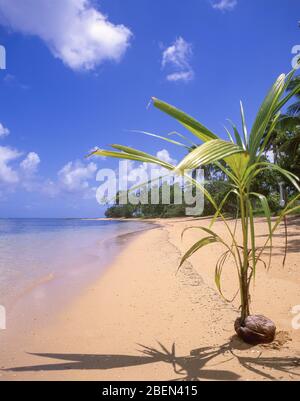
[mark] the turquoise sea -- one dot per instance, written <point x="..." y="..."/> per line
<point x="43" y="257"/>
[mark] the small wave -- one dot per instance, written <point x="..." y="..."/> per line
<point x="35" y="284"/>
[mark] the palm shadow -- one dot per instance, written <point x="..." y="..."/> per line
<point x="192" y="367"/>
<point x="262" y="366"/>
<point x="189" y="368"/>
<point x="186" y="368"/>
<point x="293" y="244"/>
<point x="85" y="362"/>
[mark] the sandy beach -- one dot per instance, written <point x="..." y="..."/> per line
<point x="141" y="321"/>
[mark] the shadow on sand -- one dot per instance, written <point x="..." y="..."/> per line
<point x="186" y="368"/>
<point x="293" y="244"/>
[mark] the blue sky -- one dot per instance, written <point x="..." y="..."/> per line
<point x="80" y="73"/>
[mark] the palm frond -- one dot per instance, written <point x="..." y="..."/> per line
<point x="265" y="114"/>
<point x="238" y="138"/>
<point x="245" y="131"/>
<point x="163" y="138"/>
<point x="210" y="152"/>
<point x="196" y="128"/>
<point x="266" y="208"/>
<point x="196" y="247"/>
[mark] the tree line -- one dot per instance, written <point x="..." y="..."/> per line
<point x="283" y="148"/>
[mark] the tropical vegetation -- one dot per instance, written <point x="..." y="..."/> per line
<point x="241" y="159"/>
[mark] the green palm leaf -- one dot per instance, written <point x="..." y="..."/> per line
<point x="269" y="133"/>
<point x="229" y="134"/>
<point x="118" y="155"/>
<point x="237" y="136"/>
<point x="283" y="102"/>
<point x="131" y="154"/>
<point x="238" y="163"/>
<point x="139" y="153"/>
<point x="267" y="212"/>
<point x="265" y="114"/>
<point x="162" y="138"/>
<point x="256" y="168"/>
<point x="252" y="236"/>
<point x="199" y="130"/>
<point x="198" y="245"/>
<point x="217" y="214"/>
<point x="205" y="229"/>
<point x="245" y="131"/>
<point x="183" y="137"/>
<point x="207" y="153"/>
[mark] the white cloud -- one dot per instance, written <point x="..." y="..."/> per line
<point x="177" y="58"/>
<point x="3" y="131"/>
<point x="177" y="54"/>
<point x="75" y="176"/>
<point x="8" y="175"/>
<point x="30" y="163"/>
<point x="15" y="175"/>
<point x="181" y="76"/>
<point x="74" y="30"/>
<point x="164" y="155"/>
<point x="224" y="5"/>
<point x="143" y="172"/>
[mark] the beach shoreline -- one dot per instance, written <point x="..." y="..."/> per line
<point x="37" y="303"/>
<point x="113" y="329"/>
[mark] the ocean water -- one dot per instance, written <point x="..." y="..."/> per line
<point x="52" y="258"/>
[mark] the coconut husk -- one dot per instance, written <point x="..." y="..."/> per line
<point x="255" y="330"/>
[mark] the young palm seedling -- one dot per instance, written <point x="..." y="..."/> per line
<point x="240" y="159"/>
